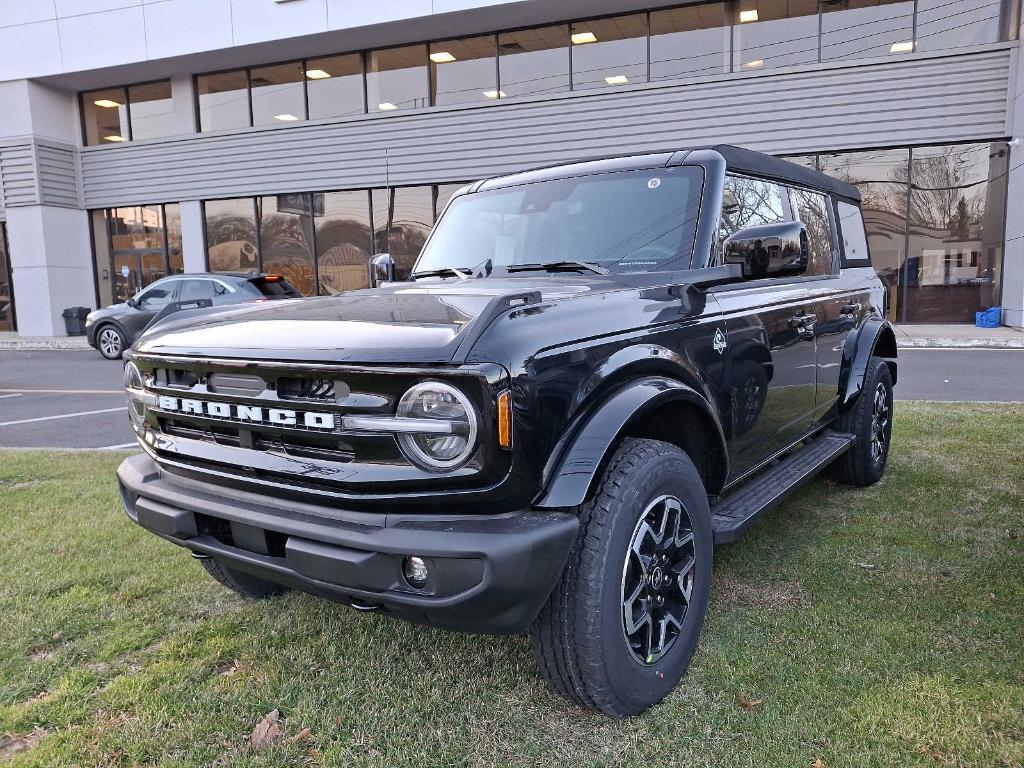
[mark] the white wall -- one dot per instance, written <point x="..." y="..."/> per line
<point x="51" y="266"/>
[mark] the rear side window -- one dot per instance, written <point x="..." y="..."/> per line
<point x="812" y="211"/>
<point x="274" y="287"/>
<point x="853" y="236"/>
<point x="192" y="290"/>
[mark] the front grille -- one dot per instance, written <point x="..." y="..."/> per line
<point x="286" y="423"/>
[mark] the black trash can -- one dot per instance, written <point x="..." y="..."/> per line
<point x="74" y="320"/>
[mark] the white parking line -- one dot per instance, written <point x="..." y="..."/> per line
<point x="16" y="394"/>
<point x="61" y="416"/>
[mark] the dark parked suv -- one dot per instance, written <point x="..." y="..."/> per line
<point x="113" y="329"/>
<point x="597" y="373"/>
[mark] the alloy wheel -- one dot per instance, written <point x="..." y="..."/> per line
<point x="657" y="579"/>
<point x="110" y="342"/>
<point x="879" y="422"/>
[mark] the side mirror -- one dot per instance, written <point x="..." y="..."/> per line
<point x="768" y="250"/>
<point x="382" y="270"/>
<point x="131" y="302"/>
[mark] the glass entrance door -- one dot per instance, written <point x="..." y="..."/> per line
<point x="7" y="319"/>
<point x="138" y="248"/>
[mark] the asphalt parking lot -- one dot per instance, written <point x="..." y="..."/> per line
<point x="73" y="399"/>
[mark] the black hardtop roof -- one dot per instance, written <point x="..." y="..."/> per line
<point x="737" y="159"/>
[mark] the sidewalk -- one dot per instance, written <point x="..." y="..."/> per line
<point x="959" y="336"/>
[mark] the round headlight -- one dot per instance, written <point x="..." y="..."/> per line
<point x="454" y="441"/>
<point x="133" y="384"/>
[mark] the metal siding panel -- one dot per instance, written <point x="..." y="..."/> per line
<point x="58" y="176"/>
<point x="18" y="172"/>
<point x="912" y="101"/>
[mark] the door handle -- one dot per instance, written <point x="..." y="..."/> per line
<point x="853" y="308"/>
<point x="803" y="321"/>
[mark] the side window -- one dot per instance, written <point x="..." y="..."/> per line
<point x="855" y="241"/>
<point x="191" y="290"/>
<point x="748" y="202"/>
<point x="812" y="210"/>
<point x="157" y="296"/>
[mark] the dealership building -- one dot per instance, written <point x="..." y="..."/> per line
<point x="140" y="138"/>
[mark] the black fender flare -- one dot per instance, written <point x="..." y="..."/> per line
<point x="592" y="436"/>
<point x="875" y="336"/>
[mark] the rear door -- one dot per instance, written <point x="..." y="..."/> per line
<point x="150" y="301"/>
<point x="769" y="341"/>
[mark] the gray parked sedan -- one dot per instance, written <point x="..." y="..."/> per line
<point x="113" y="329"/>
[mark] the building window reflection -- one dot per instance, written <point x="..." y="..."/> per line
<point x="343" y="241"/>
<point x="464" y="71"/>
<point x="231" y="235"/>
<point x="534" y="61"/>
<point x="286" y="238"/>
<point x="609" y="52"/>
<point x="224" y="100"/>
<point x="278" y="93"/>
<point x="774" y="33"/>
<point x="334" y="85"/>
<point x="396" y="78"/>
<point x="116" y="115"/>
<point x="946" y="24"/>
<point x="402" y="219"/>
<point x="691" y="41"/>
<point x="151" y="110"/>
<point x="857" y="29"/>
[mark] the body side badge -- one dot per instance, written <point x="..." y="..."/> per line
<point x="719" y="342"/>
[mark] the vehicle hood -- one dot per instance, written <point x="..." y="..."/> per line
<point x="424" y="322"/>
<point x="112" y="311"/>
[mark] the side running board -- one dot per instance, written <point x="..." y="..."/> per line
<point x="731" y="516"/>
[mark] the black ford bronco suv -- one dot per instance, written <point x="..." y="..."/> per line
<point x="591" y="376"/>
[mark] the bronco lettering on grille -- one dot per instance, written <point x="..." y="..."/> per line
<point x="282" y="417"/>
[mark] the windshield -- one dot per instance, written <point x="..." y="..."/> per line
<point x="626" y="221"/>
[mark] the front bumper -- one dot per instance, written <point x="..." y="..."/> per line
<point x="488" y="573"/>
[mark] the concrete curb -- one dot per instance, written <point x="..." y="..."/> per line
<point x="917" y="342"/>
<point x="45" y="344"/>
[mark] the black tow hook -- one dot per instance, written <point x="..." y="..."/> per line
<point x="200" y="556"/>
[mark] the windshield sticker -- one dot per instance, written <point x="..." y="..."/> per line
<point x="653" y="183"/>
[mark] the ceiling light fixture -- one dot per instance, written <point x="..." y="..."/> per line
<point x="907" y="46"/>
<point x="107" y="103"/>
<point x="113" y="137"/>
<point x="286" y="118"/>
<point x="495" y="94"/>
<point x="386" y="106"/>
<point x="582" y="38"/>
<point x="755" y="64"/>
<point x="317" y="74"/>
<point x="746" y="16"/>
<point x="441" y="57"/>
<point x="617" y="80"/>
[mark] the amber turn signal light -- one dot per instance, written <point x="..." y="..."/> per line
<point x="505" y="419"/>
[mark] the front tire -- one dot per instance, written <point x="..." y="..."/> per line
<point x="110" y="342"/>
<point x="620" y="628"/>
<point x="870" y="421"/>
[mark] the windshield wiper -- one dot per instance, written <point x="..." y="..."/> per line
<point x="554" y="266"/>
<point x="462" y="274"/>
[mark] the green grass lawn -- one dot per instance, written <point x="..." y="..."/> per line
<point x="878" y="627"/>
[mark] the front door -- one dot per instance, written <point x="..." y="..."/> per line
<point x="770" y="343"/>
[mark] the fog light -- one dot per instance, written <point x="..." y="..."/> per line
<point x="415" y="571"/>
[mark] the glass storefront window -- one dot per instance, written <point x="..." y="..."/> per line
<point x="343" y="242"/>
<point x="396" y="78"/>
<point x="8" y="321"/>
<point x="945" y="24"/>
<point x="335" y="86"/>
<point x="105" y="116"/>
<point x="881" y="177"/>
<point x="278" y="94"/>
<point x="231" y="244"/>
<point x="534" y="61"/>
<point x="172" y="225"/>
<point x="223" y="100"/>
<point x="609" y="52"/>
<point x="689" y="42"/>
<point x="774" y="33"/>
<point x="286" y="239"/>
<point x="464" y="70"/>
<point x="957" y="203"/>
<point x="857" y="29"/>
<point x="151" y="110"/>
<point x="444" y="194"/>
<point x="402" y="219"/>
